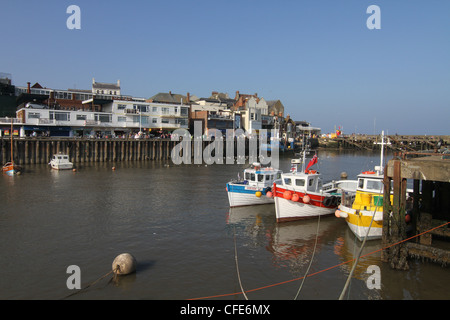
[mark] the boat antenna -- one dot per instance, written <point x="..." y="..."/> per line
<point x="382" y="143"/>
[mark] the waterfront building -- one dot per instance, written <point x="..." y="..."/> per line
<point x="119" y="118"/>
<point x="214" y="112"/>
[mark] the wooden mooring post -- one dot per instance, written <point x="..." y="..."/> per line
<point x="426" y="221"/>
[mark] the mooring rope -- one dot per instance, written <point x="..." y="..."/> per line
<point x="115" y="271"/>
<point x="310" y="262"/>
<point x="237" y="264"/>
<point x="323" y="270"/>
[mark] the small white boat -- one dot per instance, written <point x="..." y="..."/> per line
<point x="254" y="188"/>
<point x="61" y="162"/>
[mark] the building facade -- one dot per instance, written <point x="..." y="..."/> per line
<point x="119" y="118"/>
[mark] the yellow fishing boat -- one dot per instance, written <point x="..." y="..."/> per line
<point x="363" y="210"/>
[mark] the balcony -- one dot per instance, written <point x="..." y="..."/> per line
<point x="7" y="120"/>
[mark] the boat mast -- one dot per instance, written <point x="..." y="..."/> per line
<point x="382" y="151"/>
<point x="11" y="133"/>
<point x="382" y="143"/>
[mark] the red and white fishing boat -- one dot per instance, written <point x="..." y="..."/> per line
<point x="301" y="195"/>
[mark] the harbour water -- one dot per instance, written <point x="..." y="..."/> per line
<point x="177" y="223"/>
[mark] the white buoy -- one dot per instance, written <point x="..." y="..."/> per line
<point x="124" y="264"/>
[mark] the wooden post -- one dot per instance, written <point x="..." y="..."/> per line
<point x="387" y="208"/>
<point x="398" y="253"/>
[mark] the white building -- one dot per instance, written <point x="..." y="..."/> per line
<point x="118" y="117"/>
<point x="252" y="115"/>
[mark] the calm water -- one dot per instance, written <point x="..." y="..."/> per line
<point x="177" y="223"/>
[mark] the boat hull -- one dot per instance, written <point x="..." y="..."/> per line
<point x="290" y="210"/>
<point x="241" y="195"/>
<point x="11" y="169"/>
<point x="359" y="221"/>
<point x="62" y="166"/>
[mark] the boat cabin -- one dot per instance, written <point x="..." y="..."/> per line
<point x="261" y="177"/>
<point x="61" y="158"/>
<point x="370" y="182"/>
<point x="302" y="182"/>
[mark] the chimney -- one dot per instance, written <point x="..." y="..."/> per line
<point x="28" y="88"/>
<point x="188" y="98"/>
<point x="93" y="80"/>
<point x="118" y="83"/>
<point x="170" y="92"/>
<point x="237" y="95"/>
<point x="256" y="95"/>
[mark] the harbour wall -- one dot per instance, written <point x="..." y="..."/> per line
<point x="40" y="150"/>
<point x="396" y="142"/>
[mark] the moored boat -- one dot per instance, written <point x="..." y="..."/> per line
<point x="254" y="187"/>
<point x="61" y="162"/>
<point x="10" y="168"/>
<point x="301" y="194"/>
<point x="363" y="210"/>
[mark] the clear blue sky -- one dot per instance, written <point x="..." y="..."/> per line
<point x="318" y="57"/>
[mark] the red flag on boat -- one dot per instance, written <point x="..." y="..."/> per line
<point x="312" y="162"/>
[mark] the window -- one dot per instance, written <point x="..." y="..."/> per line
<point x="252" y="177"/>
<point x="374" y="185"/>
<point x="144" y="120"/>
<point x="103" y="117"/>
<point x="34" y="115"/>
<point x="247" y="176"/>
<point x="154" y="109"/>
<point x="311" y="182"/>
<point x="121" y="107"/>
<point x="260" y="178"/>
<point x="287" y="181"/>
<point x="300" y="182"/>
<point x="59" y="116"/>
<point x="361" y="183"/>
<point x="165" y="110"/>
<point x="63" y="95"/>
<point x="182" y="122"/>
<point x="155" y="120"/>
<point x="81" y="117"/>
<point x="164" y="120"/>
<point x="121" y="119"/>
<point x="268" y="176"/>
<point x="184" y="111"/>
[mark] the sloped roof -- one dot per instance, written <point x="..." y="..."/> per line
<point x="164" y="97"/>
<point x="101" y="85"/>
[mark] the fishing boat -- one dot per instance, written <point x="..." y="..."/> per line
<point x="363" y="210"/>
<point x="302" y="194"/>
<point x="253" y="187"/>
<point x="10" y="168"/>
<point x="61" y="162"/>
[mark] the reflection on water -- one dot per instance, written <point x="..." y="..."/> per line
<point x="177" y="223"/>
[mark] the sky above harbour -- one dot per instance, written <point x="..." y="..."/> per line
<point x="318" y="57"/>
